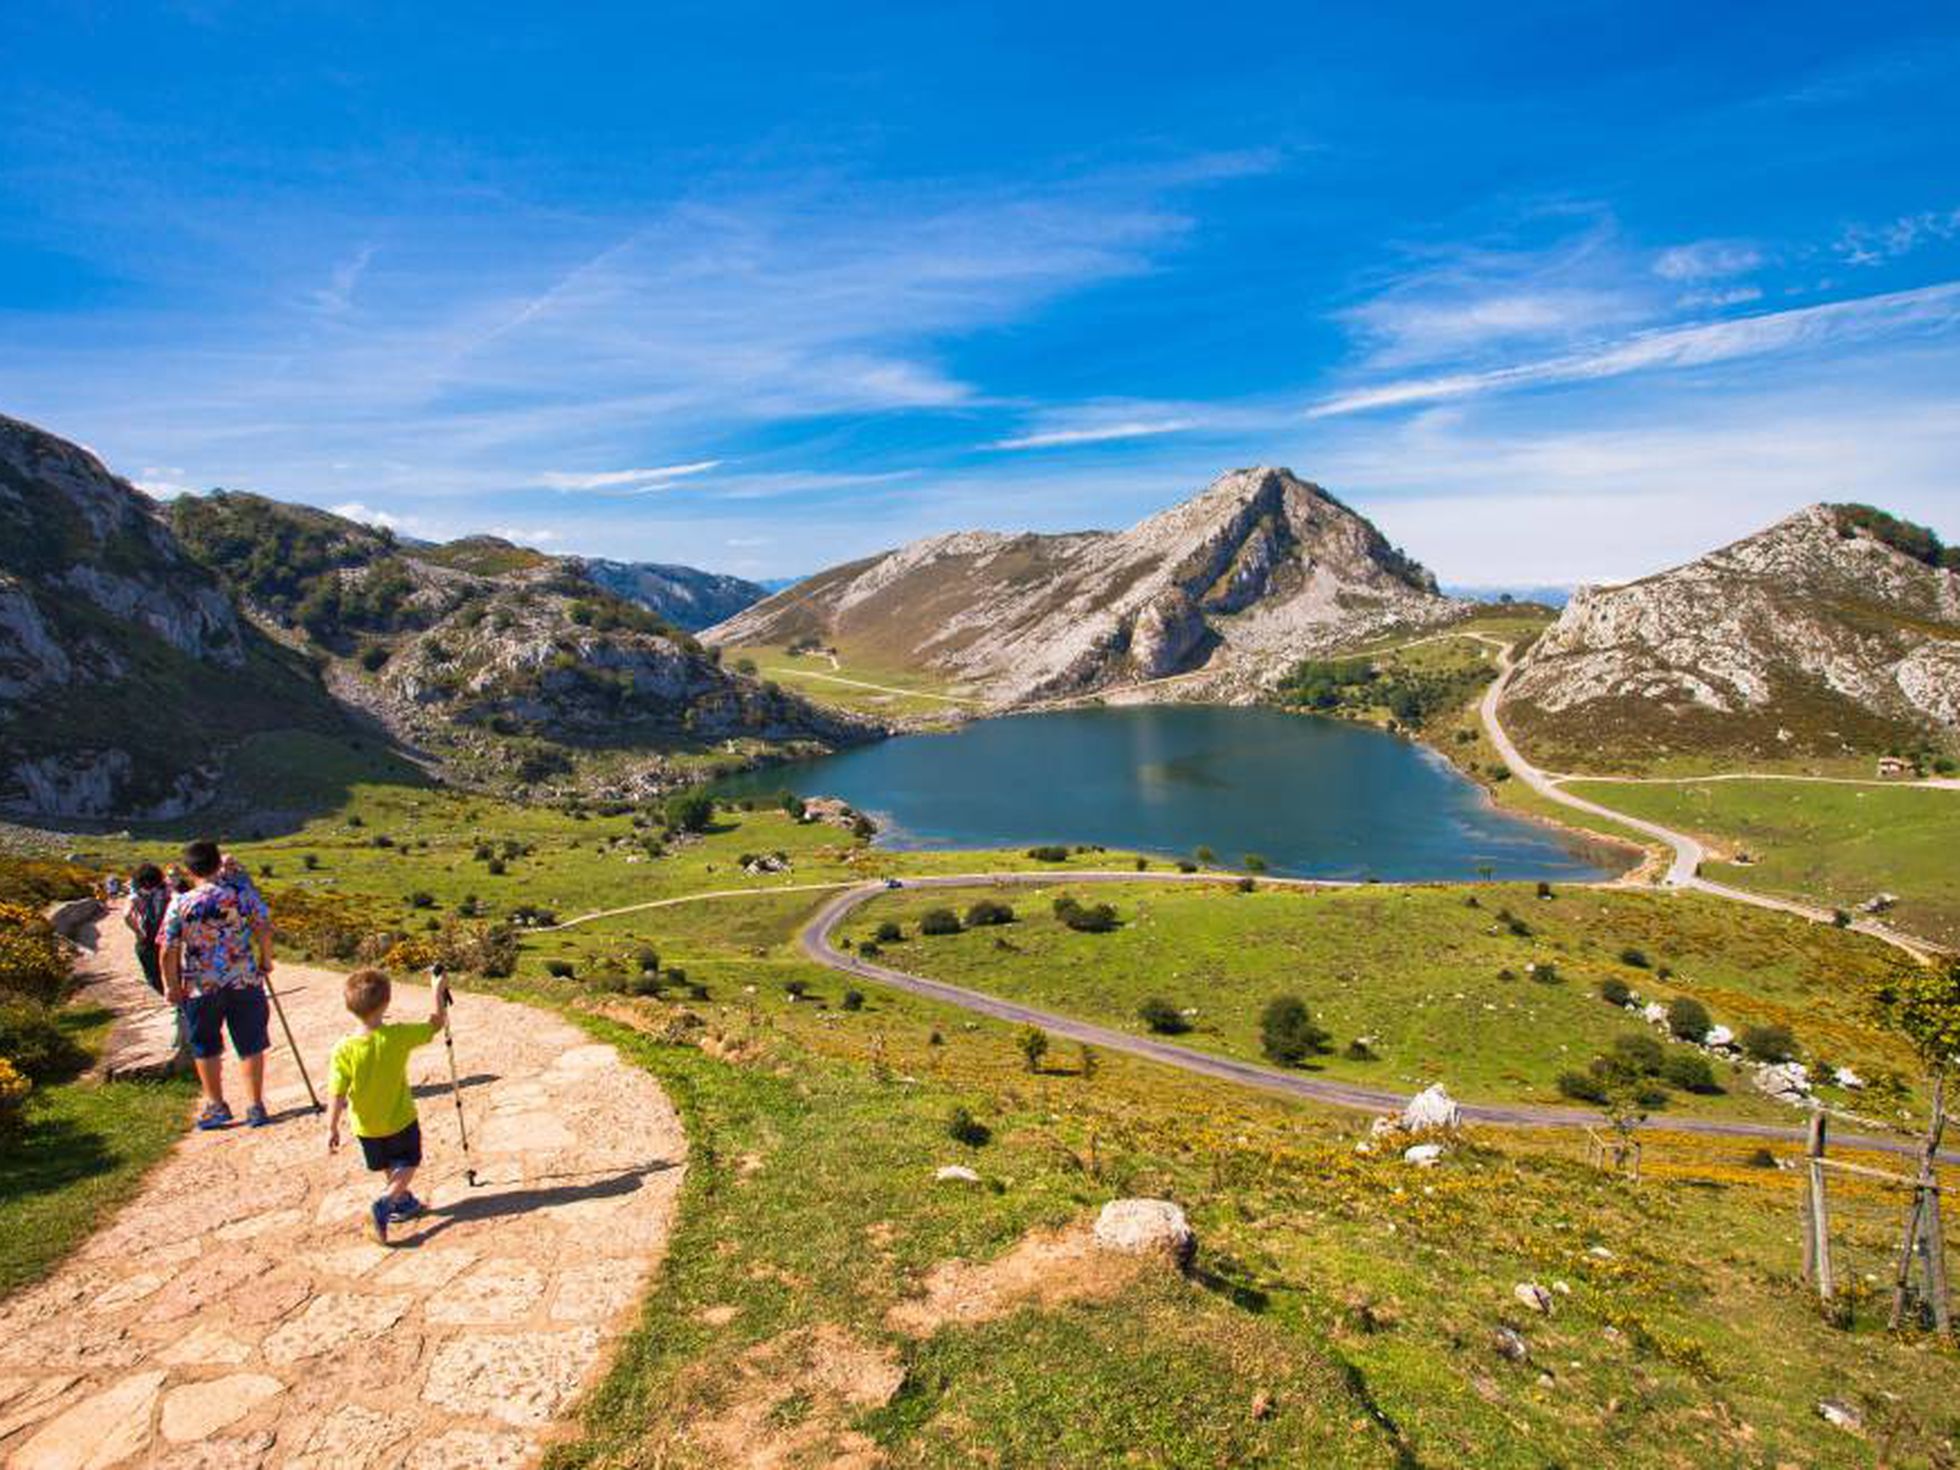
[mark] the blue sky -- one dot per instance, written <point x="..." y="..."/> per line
<point x="1554" y="292"/>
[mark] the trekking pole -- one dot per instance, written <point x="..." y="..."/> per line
<point x="298" y="1060"/>
<point x="455" y="1087"/>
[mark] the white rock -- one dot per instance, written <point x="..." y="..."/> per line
<point x="1147" y="1227"/>
<point x="1836" y="1411"/>
<point x="956" y="1174"/>
<point x="1719" y="1037"/>
<point x="1423" y="1155"/>
<point x="1654" y="1012"/>
<point x="1383" y="1126"/>
<point x="1600" y="1253"/>
<point x="1786" y="1080"/>
<point x="1845" y="1077"/>
<point x="1432" y="1110"/>
<point x="1532" y="1295"/>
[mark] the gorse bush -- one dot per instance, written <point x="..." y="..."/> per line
<point x="1639" y="1052"/>
<point x="988" y="911"/>
<point x="32" y="964"/>
<point x="32" y="1039"/>
<point x="1769" y="1043"/>
<point x="1098" y="918"/>
<point x="1614" y="991"/>
<point x="1687" y="1018"/>
<point x="1690" y="1072"/>
<point x="939" y="921"/>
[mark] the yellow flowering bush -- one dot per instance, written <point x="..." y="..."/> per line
<point x="13" y="1096"/>
<point x="32" y="965"/>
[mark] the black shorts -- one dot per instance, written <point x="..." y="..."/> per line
<point x="401" y="1150"/>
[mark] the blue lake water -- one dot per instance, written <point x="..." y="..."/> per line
<point x="1315" y="797"/>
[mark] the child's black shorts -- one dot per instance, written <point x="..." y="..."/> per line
<point x="401" y="1150"/>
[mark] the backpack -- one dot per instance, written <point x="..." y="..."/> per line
<point x="151" y="905"/>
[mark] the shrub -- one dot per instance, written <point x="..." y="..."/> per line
<point x="1287" y="1033"/>
<point x="1761" y="1158"/>
<point x="888" y="932"/>
<point x="1650" y="1095"/>
<point x="1581" y="1087"/>
<point x="1614" y="991"/>
<point x="1141" y="863"/>
<point x="691" y="811"/>
<point x="939" y="921"/>
<point x="1048" y="852"/>
<point x="1544" y="889"/>
<point x="1204" y="855"/>
<point x="1690" y="1072"/>
<point x="853" y="1000"/>
<point x="1514" y="924"/>
<point x="1254" y="863"/>
<point x="1687" y="1018"/>
<point x="1639" y="1052"/>
<point x="796" y="989"/>
<point x="421" y="898"/>
<point x="1162" y="1017"/>
<point x="698" y="991"/>
<point x="1359" y="1051"/>
<point x="560" y="969"/>
<point x="309" y="861"/>
<point x="1841" y="918"/>
<point x="963" y="1127"/>
<point x="1033" y="1045"/>
<point x="869" y="949"/>
<point x="1635" y="957"/>
<point x="1098" y="918"/>
<point x="484" y="852"/>
<point x="647" y="957"/>
<point x="988" y="911"/>
<point x="32" y="965"/>
<point x="496" y="867"/>
<point x="647" y="982"/>
<point x="1247" y="885"/>
<point x="1769" y="1043"/>
<point x="34" y="1042"/>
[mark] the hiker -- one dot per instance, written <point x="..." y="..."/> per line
<point x="217" y="949"/>
<point x="369" y="1077"/>
<point x="149" y="900"/>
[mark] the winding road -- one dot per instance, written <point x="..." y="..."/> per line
<point x="817" y="941"/>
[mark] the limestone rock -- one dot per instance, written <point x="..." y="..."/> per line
<point x="104" y="1429"/>
<point x="1147" y="1227"/>
<point x="199" y="1410"/>
<point x="955" y="1174"/>
<point x="1423" y="1155"/>
<point x="1531" y="1294"/>
<point x="1432" y="1110"/>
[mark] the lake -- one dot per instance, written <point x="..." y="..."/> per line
<point x="1317" y="798"/>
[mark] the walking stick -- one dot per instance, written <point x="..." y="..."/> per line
<point x="298" y="1060"/>
<point x="455" y="1087"/>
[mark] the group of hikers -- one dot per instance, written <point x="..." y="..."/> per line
<point x="204" y="941"/>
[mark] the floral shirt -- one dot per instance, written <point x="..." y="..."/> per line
<point x="214" y="922"/>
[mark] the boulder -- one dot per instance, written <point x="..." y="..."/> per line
<point x="1510" y="1345"/>
<point x="1147" y="1227"/>
<point x="69" y="919"/>
<point x="1848" y="1079"/>
<point x="1789" y="1081"/>
<point x="1423" y="1155"/>
<point x="1531" y="1294"/>
<point x="1719" y="1037"/>
<point x="956" y="1174"/>
<point x="1431" y="1111"/>
<point x="1841" y="1414"/>
<point x="1654" y="1013"/>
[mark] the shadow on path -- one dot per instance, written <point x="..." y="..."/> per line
<point x="526" y="1198"/>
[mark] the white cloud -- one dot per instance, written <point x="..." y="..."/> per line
<point x="1929" y="309"/>
<point x="1876" y="244"/>
<point x="1096" y="434"/>
<point x="1707" y="260"/>
<point x="164" y="482"/>
<point x="336" y="298"/>
<point x="540" y="536"/>
<point x="654" y="477"/>
<point x="1719" y="297"/>
<point x="367" y="515"/>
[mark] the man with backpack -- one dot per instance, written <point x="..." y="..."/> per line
<point x="217" y="949"/>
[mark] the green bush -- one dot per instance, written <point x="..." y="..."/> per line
<point x="1048" y="852"/>
<point x="1097" y="918"/>
<point x="1769" y="1043"/>
<point x="1690" y="1072"/>
<point x="1254" y="863"/>
<point x="853" y="1000"/>
<point x="1162" y="1017"/>
<point x="34" y="1042"/>
<point x="1033" y="1046"/>
<point x="988" y="911"/>
<point x="939" y="921"/>
<point x="888" y="932"/>
<point x="560" y="969"/>
<point x="1581" y="1087"/>
<point x="1634" y="957"/>
<point x="1287" y="1033"/>
<point x="1639" y="1052"/>
<point x="1687" y="1018"/>
<point x="690" y="811"/>
<point x="421" y="898"/>
<point x="963" y="1127"/>
<point x="1614" y="991"/>
<point x="1359" y="1051"/>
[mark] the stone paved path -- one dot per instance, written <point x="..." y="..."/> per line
<point x="234" y="1315"/>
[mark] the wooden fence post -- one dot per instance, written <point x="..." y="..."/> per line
<point x="1820" y="1222"/>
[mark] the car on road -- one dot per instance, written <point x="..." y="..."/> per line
<point x="894" y="883"/>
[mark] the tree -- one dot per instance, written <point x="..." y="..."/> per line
<point x="1162" y="1017"/>
<point x="690" y="811"/>
<point x="1254" y="863"/>
<point x="1687" y="1018"/>
<point x="987" y="911"/>
<point x="1287" y="1033"/>
<point x="1769" y="1043"/>
<point x="1204" y="855"/>
<point x="1034" y="1046"/>
<point x="888" y="932"/>
<point x="1086" y="1061"/>
<point x="939" y="921"/>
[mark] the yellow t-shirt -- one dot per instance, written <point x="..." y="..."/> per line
<point x="370" y="1070"/>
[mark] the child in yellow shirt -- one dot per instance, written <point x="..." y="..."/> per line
<point x="369" y="1077"/>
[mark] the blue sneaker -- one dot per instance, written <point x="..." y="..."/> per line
<point x="378" y="1221"/>
<point x="405" y="1208"/>
<point x="256" y="1116"/>
<point x="214" y="1117"/>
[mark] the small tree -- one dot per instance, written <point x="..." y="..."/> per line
<point x="888" y="932"/>
<point x="939" y="921"/>
<point x="1034" y="1046"/>
<point x="1086" y="1061"/>
<point x="1687" y="1018"/>
<point x="1162" y="1017"/>
<point x="1204" y="855"/>
<point x="1769" y="1043"/>
<point x="1287" y="1033"/>
<point x="690" y="811"/>
<point x="1254" y="863"/>
<point x="1614" y="991"/>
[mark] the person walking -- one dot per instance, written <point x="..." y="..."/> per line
<point x="217" y="949"/>
<point x="149" y="900"/>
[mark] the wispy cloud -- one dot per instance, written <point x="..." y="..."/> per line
<point x="336" y="298"/>
<point x="1096" y="434"/>
<point x="1707" y="260"/>
<point x="1927" y="310"/>
<point x="1876" y="244"/>
<point x="526" y="536"/>
<point x="367" y="515"/>
<point x="163" y="481"/>
<point x="653" y="476"/>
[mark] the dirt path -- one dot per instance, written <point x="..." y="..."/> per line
<point x="958" y="699"/>
<point x="817" y="941"/>
<point x="1684" y="869"/>
<point x="233" y="1314"/>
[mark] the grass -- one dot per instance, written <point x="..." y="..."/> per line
<point x="903" y="693"/>
<point x="83" y="1150"/>
<point x="1357" y="1295"/>
<point x="1443" y="990"/>
<point x="1834" y="845"/>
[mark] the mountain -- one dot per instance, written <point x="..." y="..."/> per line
<point x="684" y="596"/>
<point x="1255" y="571"/>
<point x="1834" y="631"/>
<point x="140" y="644"/>
<point x="125" y="668"/>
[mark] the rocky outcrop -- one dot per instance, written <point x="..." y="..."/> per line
<point x="1147" y="1227"/>
<point x="685" y="596"/>
<point x="1814" y="636"/>
<point x="1236" y="584"/>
